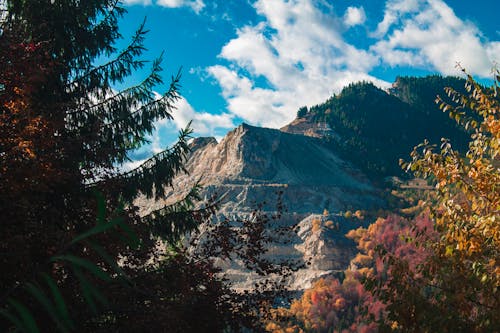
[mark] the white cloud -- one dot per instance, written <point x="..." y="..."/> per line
<point x="195" y="5"/>
<point x="137" y="2"/>
<point x="296" y="55"/>
<point x="428" y="34"/>
<point x="203" y="124"/>
<point x="354" y="16"/>
<point x="127" y="166"/>
<point x="299" y="51"/>
<point x="394" y="9"/>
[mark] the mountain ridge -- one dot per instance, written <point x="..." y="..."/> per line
<point x="319" y="162"/>
<point x="373" y="128"/>
<point x="261" y="168"/>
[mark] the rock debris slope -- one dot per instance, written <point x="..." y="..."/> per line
<point x="251" y="164"/>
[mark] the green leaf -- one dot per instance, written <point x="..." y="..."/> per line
<point x="84" y="263"/>
<point x="47" y="304"/>
<point x="99" y="228"/>
<point x="85" y="286"/>
<point x="29" y="323"/>
<point x="12" y="318"/>
<point x="59" y="300"/>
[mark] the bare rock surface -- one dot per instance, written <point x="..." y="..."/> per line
<point x="251" y="165"/>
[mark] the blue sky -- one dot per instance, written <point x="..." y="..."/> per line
<point x="259" y="61"/>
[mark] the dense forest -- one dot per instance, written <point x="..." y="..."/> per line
<point x="77" y="256"/>
<point x="375" y="128"/>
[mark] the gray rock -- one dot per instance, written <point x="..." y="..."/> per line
<point x="251" y="165"/>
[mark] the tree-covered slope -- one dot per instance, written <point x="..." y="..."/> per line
<point x="421" y="94"/>
<point x="374" y="129"/>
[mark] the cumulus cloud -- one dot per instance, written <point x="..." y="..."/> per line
<point x="297" y="55"/>
<point x="298" y="51"/>
<point x="195" y="5"/>
<point x="428" y="34"/>
<point x="203" y="124"/>
<point x="127" y="166"/>
<point x="354" y="16"/>
<point x="137" y="2"/>
<point x="394" y="10"/>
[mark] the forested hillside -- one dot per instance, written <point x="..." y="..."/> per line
<point x="373" y="128"/>
<point x="438" y="271"/>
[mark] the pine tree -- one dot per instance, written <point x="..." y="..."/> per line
<point x="65" y="132"/>
<point x="75" y="253"/>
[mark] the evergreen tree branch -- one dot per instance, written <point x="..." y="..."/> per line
<point x="155" y="173"/>
<point x="123" y="130"/>
<point x="125" y="99"/>
<point x="111" y="14"/>
<point x="101" y="77"/>
<point x="172" y="222"/>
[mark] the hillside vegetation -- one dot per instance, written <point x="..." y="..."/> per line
<point x="373" y="128"/>
<point x="80" y="253"/>
<point x="439" y="271"/>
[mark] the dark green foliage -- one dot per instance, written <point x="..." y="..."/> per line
<point x="421" y="94"/>
<point x="64" y="131"/>
<point x="43" y="295"/>
<point x="374" y="129"/>
<point x="302" y="112"/>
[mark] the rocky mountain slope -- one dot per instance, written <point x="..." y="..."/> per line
<point x="251" y="164"/>
<point x="315" y="162"/>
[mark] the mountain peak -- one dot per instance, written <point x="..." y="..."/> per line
<point x="253" y="163"/>
<point x="373" y="128"/>
<point x="201" y="142"/>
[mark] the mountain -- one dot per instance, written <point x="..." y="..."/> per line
<point x="373" y="128"/>
<point x="331" y="158"/>
<point x="250" y="165"/>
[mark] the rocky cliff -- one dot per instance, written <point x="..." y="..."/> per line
<point x="315" y="163"/>
<point x="251" y="164"/>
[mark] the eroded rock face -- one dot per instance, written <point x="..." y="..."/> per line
<point x="251" y="164"/>
<point x="319" y="244"/>
<point x="308" y="126"/>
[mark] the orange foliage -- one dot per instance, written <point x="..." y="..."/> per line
<point x="328" y="306"/>
<point x="316" y="224"/>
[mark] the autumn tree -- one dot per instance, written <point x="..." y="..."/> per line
<point x="456" y="288"/>
<point x="438" y="272"/>
<point x="343" y="304"/>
